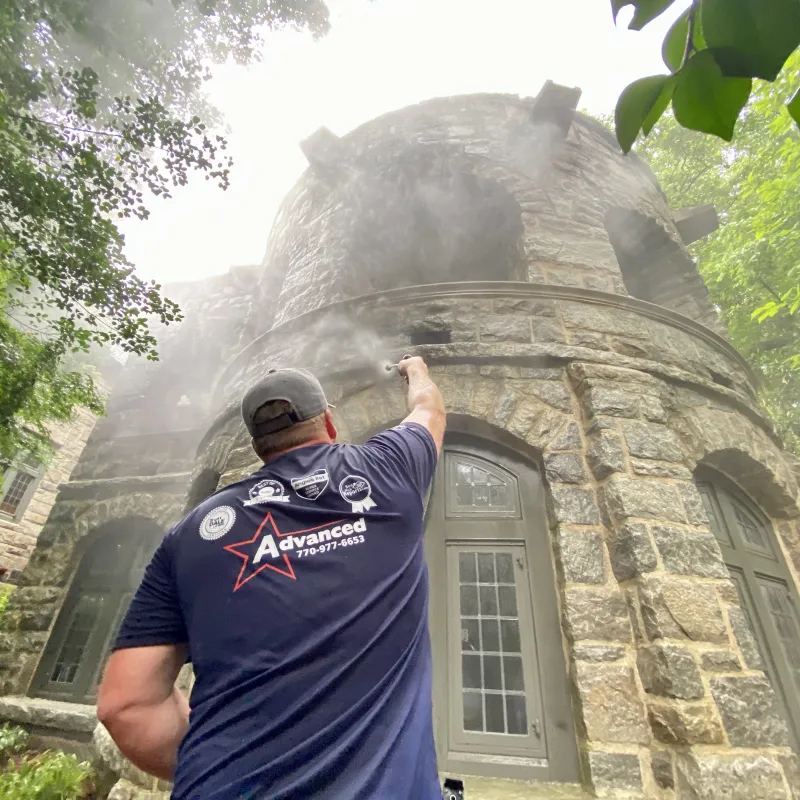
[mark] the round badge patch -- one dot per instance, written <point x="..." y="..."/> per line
<point x="356" y="491"/>
<point x="217" y="523"/>
<point x="267" y="491"/>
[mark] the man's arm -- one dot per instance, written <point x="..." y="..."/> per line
<point x="143" y="710"/>
<point x="424" y="399"/>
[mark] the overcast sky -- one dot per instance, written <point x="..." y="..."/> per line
<point x="380" y="55"/>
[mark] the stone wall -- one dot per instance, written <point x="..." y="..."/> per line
<point x="18" y="536"/>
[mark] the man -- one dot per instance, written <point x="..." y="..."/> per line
<point x="300" y="597"/>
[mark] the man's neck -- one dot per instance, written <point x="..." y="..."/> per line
<point x="309" y="443"/>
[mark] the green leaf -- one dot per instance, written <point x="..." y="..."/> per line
<point x="674" y="45"/>
<point x="637" y="105"/>
<point x="645" y="10"/>
<point x="705" y="100"/>
<point x="659" y="107"/>
<point x="751" y="38"/>
<point x="794" y="107"/>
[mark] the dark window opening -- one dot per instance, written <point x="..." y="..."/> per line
<point x="429" y="337"/>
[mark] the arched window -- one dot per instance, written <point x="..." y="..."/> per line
<point x="107" y="576"/>
<point x="767" y="593"/>
<point x="501" y="701"/>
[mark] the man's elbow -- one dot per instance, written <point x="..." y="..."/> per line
<point x="111" y="705"/>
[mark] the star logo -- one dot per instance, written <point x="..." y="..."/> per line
<point x="248" y="550"/>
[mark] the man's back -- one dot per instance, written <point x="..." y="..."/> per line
<point x="302" y="593"/>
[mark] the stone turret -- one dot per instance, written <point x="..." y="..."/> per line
<point x="646" y="501"/>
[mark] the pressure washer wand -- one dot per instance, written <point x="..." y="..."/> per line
<point x="390" y="367"/>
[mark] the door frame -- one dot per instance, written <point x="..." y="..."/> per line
<point x="558" y="717"/>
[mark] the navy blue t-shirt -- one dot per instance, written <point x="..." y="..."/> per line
<point x="302" y="593"/>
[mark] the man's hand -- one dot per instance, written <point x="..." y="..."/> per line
<point x="424" y="398"/>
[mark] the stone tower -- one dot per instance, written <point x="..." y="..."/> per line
<point x="612" y="533"/>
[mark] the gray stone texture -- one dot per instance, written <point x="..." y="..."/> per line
<point x="716" y="777"/>
<point x="625" y="497"/>
<point x="684" y="723"/>
<point x="648" y="440"/>
<point x="505" y="329"/>
<point x="597" y="652"/>
<point x="750" y="711"/>
<point x="670" y="671"/>
<point x="631" y="551"/>
<point x="614" y="770"/>
<point x="605" y="454"/>
<point x="574" y="506"/>
<point x="568" y="439"/>
<point x="791" y="768"/>
<point x="612" y="710"/>
<point x="689" y="553"/>
<point x="681" y="609"/>
<point x="596" y="613"/>
<point x="748" y="646"/>
<point x="720" y="661"/>
<point x="663" y="770"/>
<point x="580" y="556"/>
<point x="564" y="468"/>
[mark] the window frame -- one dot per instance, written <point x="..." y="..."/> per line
<point x="20" y="467"/>
<point x="750" y="566"/>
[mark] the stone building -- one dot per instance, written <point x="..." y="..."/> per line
<point x="612" y="532"/>
<point x="28" y="492"/>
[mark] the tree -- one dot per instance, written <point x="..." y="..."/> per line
<point x="713" y="52"/>
<point x="752" y="264"/>
<point x="98" y="106"/>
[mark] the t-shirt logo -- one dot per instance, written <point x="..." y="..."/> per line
<point x="217" y="523"/>
<point x="267" y="491"/>
<point x="311" y="486"/>
<point x="356" y="491"/>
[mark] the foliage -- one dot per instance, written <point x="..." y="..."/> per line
<point x="96" y="100"/>
<point x="13" y="740"/>
<point x="752" y="264"/>
<point x="714" y="51"/>
<point x="5" y="595"/>
<point x="49" y="776"/>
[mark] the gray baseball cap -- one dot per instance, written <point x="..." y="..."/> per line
<point x="298" y="387"/>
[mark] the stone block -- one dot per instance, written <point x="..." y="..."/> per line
<point x="504" y="408"/>
<point x="713" y="777"/>
<point x="720" y="661"/>
<point x="631" y="497"/>
<point x="612" y="710"/>
<point x="568" y="439"/>
<point x="692" y="503"/>
<point x="649" y="440"/>
<point x="564" y="468"/>
<point x="594" y="341"/>
<point x="507" y="328"/>
<point x="602" y="320"/>
<point x="663" y="772"/>
<point x="614" y="770"/>
<point x="525" y="305"/>
<point x="580" y="556"/>
<point x="684" y="723"/>
<point x="631" y="551"/>
<point x="596" y="613"/>
<point x="669" y="671"/>
<point x="547" y="331"/>
<point x="688" y="553"/>
<point x="659" y="469"/>
<point x="681" y="609"/>
<point x="791" y="768"/>
<point x="748" y="646"/>
<point x="574" y="506"/>
<point x="553" y="393"/>
<point x="597" y="652"/>
<point x="749" y="711"/>
<point x="605" y="455"/>
<point x="609" y="400"/>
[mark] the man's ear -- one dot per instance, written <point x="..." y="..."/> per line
<point x="329" y="426"/>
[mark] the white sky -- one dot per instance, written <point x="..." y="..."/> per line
<point x="380" y="55"/>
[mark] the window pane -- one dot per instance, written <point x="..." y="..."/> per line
<point x="480" y="495"/>
<point x="84" y="618"/>
<point x="464" y="494"/>
<point x="498" y="495"/>
<point x="513" y="672"/>
<point x="471" y="671"/>
<point x="784" y="615"/>
<point x="491" y="636"/>
<point x="488" y="596"/>
<point x="749" y="528"/>
<point x="486" y="567"/>
<point x="510" y="635"/>
<point x="480" y="489"/>
<point x="505" y="569"/>
<point x="473" y="711"/>
<point x="715" y="520"/>
<point x="466" y="568"/>
<point x="491" y="673"/>
<point x="469" y="601"/>
<point x="470" y="640"/>
<point x="16" y="491"/>
<point x="508" y="601"/>
<point x="517" y="718"/>
<point x="495" y="721"/>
